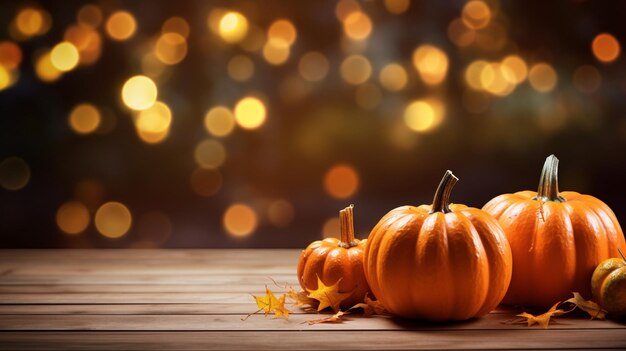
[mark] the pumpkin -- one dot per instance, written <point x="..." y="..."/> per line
<point x="608" y="285"/>
<point x="333" y="259"/>
<point x="557" y="239"/>
<point x="440" y="262"/>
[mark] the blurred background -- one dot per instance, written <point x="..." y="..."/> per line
<point x="252" y="123"/>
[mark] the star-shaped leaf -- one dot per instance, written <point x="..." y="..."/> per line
<point x="544" y="319"/>
<point x="269" y="303"/>
<point x="328" y="296"/>
<point x="592" y="308"/>
<point x="370" y="307"/>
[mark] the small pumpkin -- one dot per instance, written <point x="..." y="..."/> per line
<point x="608" y="285"/>
<point x="438" y="262"/>
<point x="557" y="239"/>
<point x="333" y="259"/>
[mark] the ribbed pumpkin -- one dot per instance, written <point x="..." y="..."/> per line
<point x="608" y="285"/>
<point x="332" y="259"/>
<point x="441" y="262"/>
<point x="557" y="239"/>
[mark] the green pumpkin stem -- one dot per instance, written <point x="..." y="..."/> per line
<point x="441" y="201"/>
<point x="549" y="181"/>
<point x="346" y="226"/>
<point x="621" y="254"/>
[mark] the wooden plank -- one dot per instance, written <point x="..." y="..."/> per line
<point x="223" y="322"/>
<point x="254" y="285"/>
<point x="536" y="339"/>
<point x="148" y="279"/>
<point x="133" y="298"/>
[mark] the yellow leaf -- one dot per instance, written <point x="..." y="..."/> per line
<point x="280" y="310"/>
<point x="300" y="298"/>
<point x="328" y="296"/>
<point x="592" y="308"/>
<point x="335" y="318"/>
<point x="544" y="319"/>
<point x="269" y="303"/>
<point x="369" y="307"/>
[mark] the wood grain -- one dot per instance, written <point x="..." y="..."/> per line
<point x="196" y="299"/>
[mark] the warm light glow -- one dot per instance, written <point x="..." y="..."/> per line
<point x="605" y="48"/>
<point x="542" y="77"/>
<point x="219" y="121"/>
<point x="240" y="68"/>
<point x="176" y="25"/>
<point x="250" y="113"/>
<point x="84" y="119"/>
<point x="5" y="78"/>
<point x="313" y="66"/>
<point x="155" y="119"/>
<point x="356" y="69"/>
<point x="476" y="14"/>
<point x="139" y="93"/>
<point x="497" y="79"/>
<point x="368" y="96"/>
<point x="240" y="220"/>
<point x="206" y="181"/>
<point x="254" y="40"/>
<point x="72" y="217"/>
<point x="113" y="220"/>
<point x="517" y="68"/>
<point x="14" y="173"/>
<point x="30" y="22"/>
<point x="87" y="41"/>
<point x="45" y="69"/>
<point x="121" y="25"/>
<point x="345" y="7"/>
<point x="64" y="56"/>
<point x="10" y="55"/>
<point x="341" y="181"/>
<point x="280" y="213"/>
<point x="331" y="228"/>
<point x="431" y="64"/>
<point x="424" y="115"/>
<point x="276" y="51"/>
<point x="233" y="27"/>
<point x="170" y="48"/>
<point x="283" y="29"/>
<point x="473" y="74"/>
<point x="357" y="25"/>
<point x="89" y="16"/>
<point x="587" y="79"/>
<point x="459" y="34"/>
<point x="393" y="77"/>
<point x="397" y="7"/>
<point x="210" y="154"/>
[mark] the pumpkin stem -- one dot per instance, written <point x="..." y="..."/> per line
<point x="346" y="226"/>
<point x="441" y="200"/>
<point x="549" y="182"/>
<point x="621" y="254"/>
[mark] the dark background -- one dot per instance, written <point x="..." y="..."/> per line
<point x="498" y="150"/>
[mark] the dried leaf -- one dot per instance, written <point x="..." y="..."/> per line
<point x="544" y="319"/>
<point x="300" y="298"/>
<point x="328" y="296"/>
<point x="335" y="318"/>
<point x="592" y="308"/>
<point x="370" y="307"/>
<point x="269" y="303"/>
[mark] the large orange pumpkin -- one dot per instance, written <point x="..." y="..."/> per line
<point x="557" y="239"/>
<point x="441" y="262"/>
<point x="332" y="259"/>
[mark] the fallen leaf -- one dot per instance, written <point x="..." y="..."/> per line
<point x="592" y="308"/>
<point x="328" y="296"/>
<point x="335" y="318"/>
<point x="544" y="319"/>
<point x="370" y="307"/>
<point x="300" y="298"/>
<point x="269" y="303"/>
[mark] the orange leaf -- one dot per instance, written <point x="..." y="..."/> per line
<point x="300" y="298"/>
<point x="544" y="319"/>
<point x="369" y="307"/>
<point x="592" y="308"/>
<point x="269" y="303"/>
<point x="328" y="296"/>
<point x="335" y="318"/>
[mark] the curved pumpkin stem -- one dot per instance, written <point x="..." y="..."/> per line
<point x="346" y="226"/>
<point x="441" y="201"/>
<point x="549" y="182"/>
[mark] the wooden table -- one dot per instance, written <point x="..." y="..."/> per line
<point x="195" y="300"/>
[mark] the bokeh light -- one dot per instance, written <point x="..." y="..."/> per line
<point x="84" y="118"/>
<point x="176" y="25"/>
<point x="219" y="121"/>
<point x="393" y="77"/>
<point x="515" y="68"/>
<point x="356" y="69"/>
<point x="431" y="63"/>
<point x="240" y="220"/>
<point x="476" y="14"/>
<point x="32" y="21"/>
<point x="14" y="173"/>
<point x="113" y="220"/>
<point x="424" y="115"/>
<point x="87" y="41"/>
<point x="250" y="113"/>
<point x="72" y="217"/>
<point x="345" y="7"/>
<point x="153" y="123"/>
<point x="64" y="56"/>
<point x="357" y="25"/>
<point x="341" y="181"/>
<point x="89" y="16"/>
<point x="210" y="154"/>
<point x="276" y="51"/>
<point x="170" y="48"/>
<point x="233" y="27"/>
<point x="605" y="48"/>
<point x="240" y="68"/>
<point x="206" y="181"/>
<point x="397" y="7"/>
<point x="139" y="93"/>
<point x="10" y="55"/>
<point x="121" y="26"/>
<point x="460" y="34"/>
<point x="542" y="77"/>
<point x="283" y="29"/>
<point x="313" y="66"/>
<point x="45" y="70"/>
